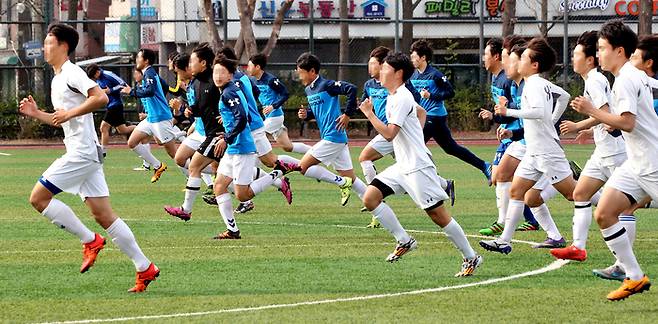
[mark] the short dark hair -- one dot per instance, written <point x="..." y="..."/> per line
<point x="65" y="33"/>
<point x="172" y="56"/>
<point x="619" y="35"/>
<point x="92" y="69"/>
<point x="496" y="47"/>
<point x="228" y="52"/>
<point x="205" y="53"/>
<point x="182" y="61"/>
<point x="542" y="54"/>
<point x="400" y="61"/>
<point x="308" y="61"/>
<point x="380" y="53"/>
<point x="510" y="40"/>
<point x="230" y="64"/>
<point x="518" y="49"/>
<point x="149" y="55"/>
<point x="588" y="40"/>
<point x="259" y="59"/>
<point x="648" y="44"/>
<point x="422" y="48"/>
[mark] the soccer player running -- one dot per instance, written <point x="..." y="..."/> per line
<point x="504" y="79"/>
<point x="111" y="84"/>
<point x="80" y="169"/>
<point x="609" y="153"/>
<point x="332" y="149"/>
<point x="434" y="89"/>
<point x="544" y="162"/>
<point x="273" y="95"/>
<point x="158" y="122"/>
<point x="238" y="148"/>
<point x="631" y="111"/>
<point x="414" y="172"/>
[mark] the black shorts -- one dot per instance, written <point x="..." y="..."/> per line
<point x="207" y="148"/>
<point x="114" y="116"/>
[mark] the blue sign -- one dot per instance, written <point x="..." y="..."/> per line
<point x="33" y="49"/>
<point x="374" y="8"/>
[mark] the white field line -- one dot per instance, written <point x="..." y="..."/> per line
<point x="5" y="154"/>
<point x="555" y="265"/>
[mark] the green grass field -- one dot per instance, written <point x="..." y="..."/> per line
<point x="314" y="250"/>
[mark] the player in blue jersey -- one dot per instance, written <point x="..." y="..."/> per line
<point x="324" y="107"/>
<point x="273" y="96"/>
<point x="434" y="89"/>
<point x="158" y="122"/>
<point x="238" y="148"/>
<point x="496" y="57"/>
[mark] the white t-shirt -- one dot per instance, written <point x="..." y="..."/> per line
<point x="597" y="90"/>
<point x="69" y="89"/>
<point x="537" y="112"/>
<point x="632" y="93"/>
<point x="411" y="153"/>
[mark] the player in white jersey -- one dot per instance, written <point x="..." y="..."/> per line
<point x="631" y="112"/>
<point x="80" y="170"/>
<point x="544" y="155"/>
<point x="609" y="153"/>
<point x="414" y="171"/>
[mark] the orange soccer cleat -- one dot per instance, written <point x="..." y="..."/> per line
<point x="630" y="287"/>
<point x="144" y="278"/>
<point x="90" y="252"/>
<point x="570" y="253"/>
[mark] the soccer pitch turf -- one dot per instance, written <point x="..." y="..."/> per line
<point x="313" y="261"/>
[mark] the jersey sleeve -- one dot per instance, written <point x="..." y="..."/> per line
<point x="400" y="110"/>
<point x="444" y="88"/>
<point x="598" y="90"/>
<point x="413" y="90"/>
<point x="535" y="104"/>
<point x="346" y="89"/>
<point x="148" y="86"/>
<point x="561" y="101"/>
<point x="278" y="87"/>
<point x="78" y="81"/>
<point x="232" y="101"/>
<point x="627" y="97"/>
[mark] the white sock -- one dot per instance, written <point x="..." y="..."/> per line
<point x="582" y="219"/>
<point x="443" y="182"/>
<point x="259" y="185"/>
<point x="226" y="210"/>
<point x="262" y="173"/>
<point x="595" y="199"/>
<point x="359" y="187"/>
<point x="514" y="216"/>
<point x="368" y="170"/>
<point x="628" y="221"/>
<point x="191" y="191"/>
<point x="652" y="204"/>
<point x="207" y="179"/>
<point x="543" y="217"/>
<point x="184" y="171"/>
<point x="616" y="238"/>
<point x="548" y="193"/>
<point x="123" y="237"/>
<point x="145" y="153"/>
<point x="300" y="148"/>
<point x="288" y="159"/>
<point x="502" y="200"/>
<point x="322" y="174"/>
<point x="456" y="235"/>
<point x="146" y="164"/>
<point x="63" y="217"/>
<point x="389" y="221"/>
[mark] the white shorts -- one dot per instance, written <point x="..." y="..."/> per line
<point x="541" y="184"/>
<point x="194" y="140"/>
<point x="516" y="150"/>
<point x="639" y="187"/>
<point x="164" y="131"/>
<point x="423" y="186"/>
<point x="554" y="166"/>
<point x="263" y="145"/>
<point x="78" y="177"/>
<point x="239" y="167"/>
<point x="381" y="145"/>
<point x="332" y="154"/>
<point x="274" y="126"/>
<point x="602" y="168"/>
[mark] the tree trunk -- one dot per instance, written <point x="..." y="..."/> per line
<point x="509" y="17"/>
<point x="276" y="27"/>
<point x="543" y="27"/>
<point x="73" y="15"/>
<point x="646" y="14"/>
<point x="246" y="9"/>
<point x="407" y="28"/>
<point x="344" y="47"/>
<point x="215" y="40"/>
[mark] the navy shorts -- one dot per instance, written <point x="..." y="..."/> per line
<point x="500" y="151"/>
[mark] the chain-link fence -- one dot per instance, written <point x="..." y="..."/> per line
<point x="113" y="30"/>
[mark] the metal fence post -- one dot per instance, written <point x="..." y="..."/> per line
<point x="225" y="17"/>
<point x="397" y="25"/>
<point x="48" y="12"/>
<point x="311" y="41"/>
<point x="138" y="15"/>
<point x="481" y="71"/>
<point x="565" y="45"/>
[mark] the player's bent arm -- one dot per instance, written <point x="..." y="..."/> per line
<point x="588" y="123"/>
<point x="624" y="122"/>
<point x="44" y="117"/>
<point x="526" y="113"/>
<point x="96" y="99"/>
<point x="387" y="131"/>
<point x="422" y="115"/>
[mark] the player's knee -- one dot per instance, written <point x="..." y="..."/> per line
<point x="39" y="203"/>
<point x="533" y="200"/>
<point x="287" y="147"/>
<point x="516" y="193"/>
<point x="180" y="161"/>
<point x="503" y="175"/>
<point x="371" y="200"/>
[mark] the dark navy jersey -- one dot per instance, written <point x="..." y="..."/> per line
<point x="109" y="80"/>
<point x="233" y="109"/>
<point x="374" y="90"/>
<point x="151" y="93"/>
<point x="251" y="92"/>
<point x="324" y="106"/>
<point x="204" y="102"/>
<point x="272" y="93"/>
<point x="439" y="88"/>
<point x="191" y="100"/>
